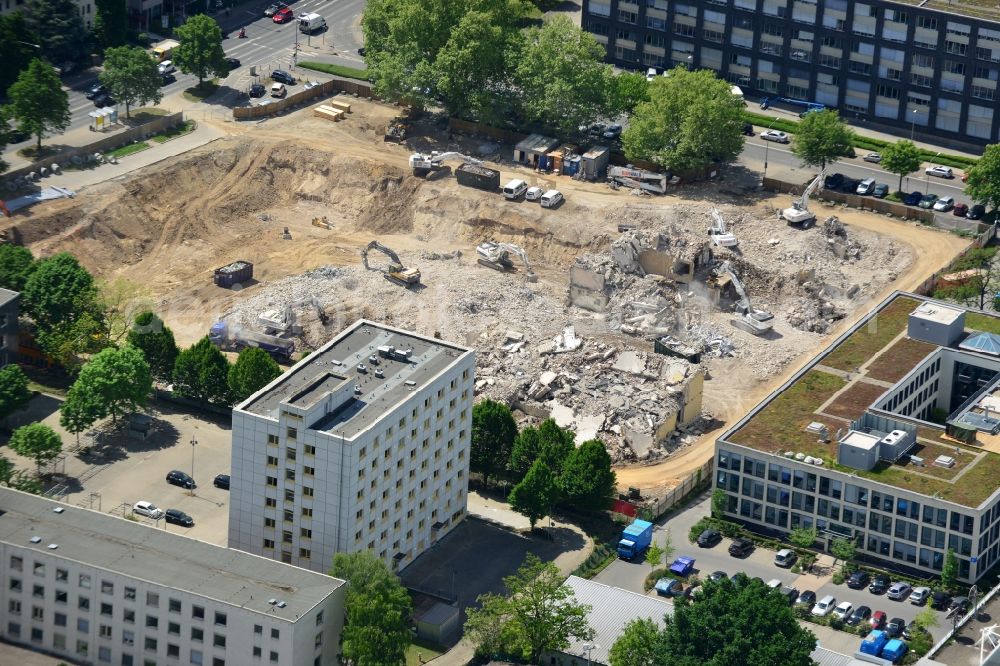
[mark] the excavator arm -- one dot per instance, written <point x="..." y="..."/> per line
<point x="375" y="245"/>
<point x="396" y="272"/>
<point x="497" y="256"/>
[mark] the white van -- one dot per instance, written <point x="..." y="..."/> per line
<point x="551" y="199"/>
<point x="514" y="189"/>
<point x="278" y="90"/>
<point x="311" y="22"/>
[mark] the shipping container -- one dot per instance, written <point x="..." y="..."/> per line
<point x="234" y="273"/>
<point x="480" y="177"/>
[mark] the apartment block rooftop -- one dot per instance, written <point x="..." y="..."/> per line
<point x="117" y="545"/>
<point x="908" y="397"/>
<point x="364" y="372"/>
<point x="981" y="9"/>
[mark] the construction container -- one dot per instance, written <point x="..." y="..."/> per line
<point x="595" y="162"/>
<point x="234" y="273"/>
<point x="571" y="165"/>
<point x="480" y="177"/>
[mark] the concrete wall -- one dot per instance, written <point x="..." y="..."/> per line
<point x="277" y="106"/>
<point x="586" y="289"/>
<point x="691" y="398"/>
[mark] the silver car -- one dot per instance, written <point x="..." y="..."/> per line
<point x="940" y="172"/>
<point x="148" y="509"/>
<point x="899" y="591"/>
<point x="774" y="135"/>
<point x="872" y="157"/>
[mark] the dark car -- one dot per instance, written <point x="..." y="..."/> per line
<point x="960" y="210"/>
<point x="257" y="90"/>
<point x="913" y="198"/>
<point x="880" y="584"/>
<point x="717" y="575"/>
<point x="221" y="481"/>
<point x="741" y="547"/>
<point x="274" y="9"/>
<point x="850" y="186"/>
<point x="833" y="181"/>
<point x="178" y="478"/>
<point x="281" y="76"/>
<point x="103" y="99"/>
<point x="748" y="130"/>
<point x="858" y="580"/>
<point x="940" y="600"/>
<point x="959" y="606"/>
<point x="928" y="200"/>
<point x="976" y="212"/>
<point x="807" y="598"/>
<point x="233" y="63"/>
<point x="895" y="627"/>
<point x="178" y="517"/>
<point x="167" y="79"/>
<point x="709" y="538"/>
<point x="95" y="90"/>
<point x="880" y="190"/>
<point x="859" y="615"/>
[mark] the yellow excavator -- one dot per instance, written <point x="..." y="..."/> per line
<point x="395" y="271"/>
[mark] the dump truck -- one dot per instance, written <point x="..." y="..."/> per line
<point x="164" y="50"/>
<point x="894" y="650"/>
<point x="635" y="539"/>
<point x="234" y="273"/>
<point x="230" y="338"/>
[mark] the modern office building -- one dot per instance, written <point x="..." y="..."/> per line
<point x="9" y="311"/>
<point x="91" y="588"/>
<point x="363" y="445"/>
<point x="889" y="438"/>
<point x="930" y="67"/>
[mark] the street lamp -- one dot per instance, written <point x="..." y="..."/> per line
<point x="194" y="442"/>
<point x="587" y="647"/>
<point x="767" y="147"/>
<point x="690" y="61"/>
<point x="913" y="122"/>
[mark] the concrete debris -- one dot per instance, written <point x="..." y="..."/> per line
<point x="434" y="256"/>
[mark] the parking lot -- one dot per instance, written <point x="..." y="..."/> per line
<point x="760" y="564"/>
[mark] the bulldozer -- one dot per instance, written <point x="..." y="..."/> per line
<point x="395" y="272"/>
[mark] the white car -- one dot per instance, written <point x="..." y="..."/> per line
<point x="166" y="67"/>
<point x="940" y="172"/>
<point x="774" y="135"/>
<point x="824" y="606"/>
<point x="774" y="584"/>
<point x="872" y="157"/>
<point x="843" y="609"/>
<point x="148" y="509"/>
<point x="920" y="595"/>
<point x="551" y="199"/>
<point x="533" y="194"/>
<point x="944" y="204"/>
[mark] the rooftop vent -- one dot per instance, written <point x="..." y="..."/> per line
<point x="944" y="461"/>
<point x="53" y="546"/>
<point x="281" y="604"/>
<point x="917" y="460"/>
<point x="36" y="539"/>
<point x="272" y="601"/>
<point x="58" y="509"/>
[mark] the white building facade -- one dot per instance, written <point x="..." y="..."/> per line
<point x="364" y="445"/>
<point x="95" y="589"/>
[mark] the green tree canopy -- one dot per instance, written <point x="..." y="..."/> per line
<point x="535" y="495"/>
<point x="547" y="442"/>
<point x="131" y="76"/>
<point x="156" y="341"/>
<point x="113" y="382"/>
<point x="493" y="434"/>
<point x="949" y="571"/>
<point x="654" y="555"/>
<point x="803" y="537"/>
<point x="627" y="91"/>
<point x="37" y="100"/>
<point x="728" y="624"/>
<point x="691" y="120"/>
<point x="36" y="441"/>
<point x="14" y="392"/>
<point x="59" y="289"/>
<point x="719" y="503"/>
<point x="821" y="138"/>
<point x="78" y="412"/>
<point x="16" y="265"/>
<point x="16" y="50"/>
<point x="901" y="158"/>
<point x="254" y="369"/>
<point x="983" y="183"/>
<point x="17" y="478"/>
<point x="843" y="549"/>
<point x="378" y="608"/>
<point x="57" y="26"/>
<point x="110" y="23"/>
<point x="201" y="372"/>
<point x="539" y="613"/>
<point x="200" y="51"/>
<point x="982" y="284"/>
<point x="640" y="644"/>
<point x="587" y="480"/>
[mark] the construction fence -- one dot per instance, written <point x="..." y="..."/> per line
<point x="327" y="89"/>
<point x="928" y="286"/>
<point x="79" y="154"/>
<point x="898" y="210"/>
<point x="654" y="508"/>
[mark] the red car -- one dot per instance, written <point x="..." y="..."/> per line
<point x="878" y="619"/>
<point x="283" y="15"/>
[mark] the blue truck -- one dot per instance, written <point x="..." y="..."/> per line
<point x="878" y="648"/>
<point x="683" y="565"/>
<point x="874" y="642"/>
<point x="635" y="539"/>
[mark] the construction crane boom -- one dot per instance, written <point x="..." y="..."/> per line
<point x="422" y="164"/>
<point x="799" y="214"/>
<point x="497" y="256"/>
<point x="720" y="235"/>
<point x="395" y="272"/>
<point x="757" y="322"/>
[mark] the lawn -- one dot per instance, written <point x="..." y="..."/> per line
<point x="889" y="322"/>
<point x="899" y="359"/>
<point x="853" y="402"/>
<point x="198" y="93"/>
<point x="336" y="70"/>
<point x="982" y="322"/>
<point x="180" y="130"/>
<point x="129" y="149"/>
<point x="421" y="652"/>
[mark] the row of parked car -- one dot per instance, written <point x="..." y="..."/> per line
<point x="176" y="516"/>
<point x="869" y="187"/>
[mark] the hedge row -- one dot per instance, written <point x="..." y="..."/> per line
<point x="336" y="70"/>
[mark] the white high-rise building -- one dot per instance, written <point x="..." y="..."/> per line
<point x="364" y="445"/>
<point x="95" y="589"/>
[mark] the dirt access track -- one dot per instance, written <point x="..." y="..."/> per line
<point x="168" y="226"/>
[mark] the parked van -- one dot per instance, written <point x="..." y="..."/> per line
<point x="278" y="90"/>
<point x="514" y="189"/>
<point x="551" y="199"/>
<point x="311" y="22"/>
<point x="163" y="50"/>
<point x="866" y="186"/>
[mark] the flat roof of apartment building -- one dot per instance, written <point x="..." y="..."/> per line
<point x="145" y="553"/>
<point x="849" y="377"/>
<point x="981" y="9"/>
<point x="414" y="362"/>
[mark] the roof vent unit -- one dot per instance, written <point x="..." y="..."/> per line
<point x="818" y="462"/>
<point x="917" y="460"/>
<point x="800" y="456"/>
<point x="272" y="601"/>
<point x="53" y="546"/>
<point x="281" y="604"/>
<point x="809" y="460"/>
<point x="36" y="539"/>
<point x="58" y="509"/>
<point x="789" y="454"/>
<point x="944" y="461"/>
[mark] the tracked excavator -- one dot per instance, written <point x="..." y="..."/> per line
<point x="395" y="272"/>
<point x="751" y="320"/>
<point x="498" y="257"/>
<point x="422" y="164"/>
<point x="799" y="214"/>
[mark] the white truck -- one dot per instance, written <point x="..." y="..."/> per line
<point x="311" y="22"/>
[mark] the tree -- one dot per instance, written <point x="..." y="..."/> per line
<point x="692" y="120"/>
<point x="981" y="284"/>
<point x="378" y="608"/>
<point x="201" y="372"/>
<point x="38" y="102"/>
<point x="949" y="571"/>
<point x="17" y="478"/>
<point x="640" y="644"/>
<point x="803" y="537"/>
<point x="539" y="613"/>
<point x="627" y="91"/>
<point x="983" y="179"/>
<point x="110" y="23"/>
<point x="254" y="369"/>
<point x="58" y="30"/>
<point x="78" y="412"/>
<point x="561" y="75"/>
<point x="132" y="76"/>
<point x="200" y="51"/>
<point x="901" y="158"/>
<point x="719" y="503"/>
<point x="587" y="480"/>
<point x="14" y="392"/>
<point x="821" y="137"/>
<point x="668" y="546"/>
<point x="843" y="549"/>
<point x="36" y="441"/>
<point x="68" y="342"/>
<point x="156" y="341"/>
<point x="16" y="264"/>
<point x="16" y="47"/>
<point x="926" y="619"/>
<point x="493" y="434"/>
<point x="654" y="555"/>
<point x="534" y="496"/>
<point x="547" y="442"/>
<point x="113" y="382"/>
<point x="59" y="289"/>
